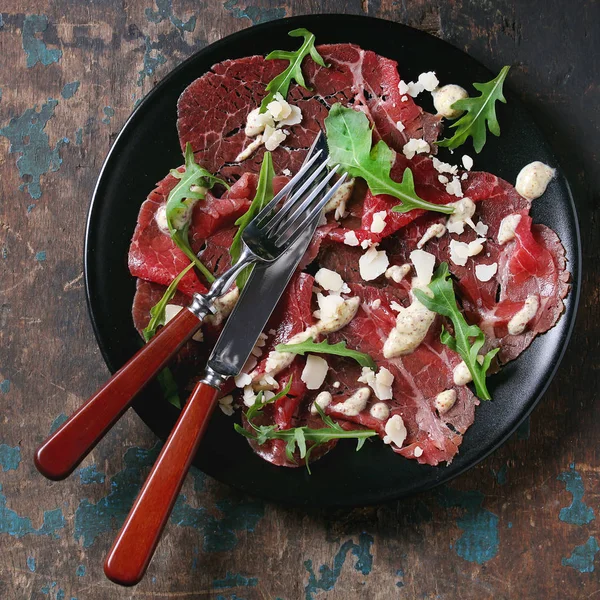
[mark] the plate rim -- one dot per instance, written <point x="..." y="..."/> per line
<point x="570" y="312"/>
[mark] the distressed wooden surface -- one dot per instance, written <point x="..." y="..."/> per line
<point x="523" y="524"/>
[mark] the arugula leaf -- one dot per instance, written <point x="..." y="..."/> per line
<point x="181" y="201"/>
<point x="324" y="347"/>
<point x="169" y="387"/>
<point x="479" y="111"/>
<point x="264" y="194"/>
<point x="297" y="437"/>
<point x="350" y="138"/>
<point x="157" y="312"/>
<point x="444" y="303"/>
<point x="259" y="403"/>
<point x="157" y="318"/>
<point x="281" y="83"/>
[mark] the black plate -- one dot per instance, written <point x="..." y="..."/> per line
<point x="147" y="148"/>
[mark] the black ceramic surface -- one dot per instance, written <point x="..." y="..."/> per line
<point x="148" y="147"/>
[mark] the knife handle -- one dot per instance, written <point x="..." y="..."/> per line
<point x="133" y="548"/>
<point x="58" y="456"/>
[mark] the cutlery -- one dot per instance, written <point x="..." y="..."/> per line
<point x="265" y="238"/>
<point x="134" y="546"/>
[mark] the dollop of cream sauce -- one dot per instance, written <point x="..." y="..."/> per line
<point x="412" y="325"/>
<point x="519" y="321"/>
<point x="533" y="179"/>
<point x="445" y="96"/>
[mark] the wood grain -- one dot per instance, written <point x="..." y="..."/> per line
<point x="523" y="524"/>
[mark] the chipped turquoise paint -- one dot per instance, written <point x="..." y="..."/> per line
<point x="328" y="576"/>
<point x="220" y="533"/>
<point x="151" y="63"/>
<point x="578" y="513"/>
<point x="80" y="571"/>
<point x="36" y="49"/>
<point x="90" y="474"/>
<point x="40" y="256"/>
<point x="1" y="22"/>
<point x="30" y="208"/>
<point x="58" y="422"/>
<point x="583" y="557"/>
<point x="199" y="479"/>
<point x="256" y="14"/>
<point x="10" y="457"/>
<point x="500" y="475"/>
<point x="60" y="595"/>
<point x="5" y="384"/>
<point x="70" y="89"/>
<point x="479" y="542"/>
<point x="165" y="11"/>
<point x="92" y="520"/>
<point x="13" y="524"/>
<point x="4" y="252"/>
<point x="28" y="139"/>
<point x="400" y="574"/>
<point x="79" y="136"/>
<point x="109" y="112"/>
<point x="31" y="563"/>
<point x="235" y="580"/>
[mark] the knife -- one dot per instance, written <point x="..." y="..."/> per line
<point x="134" y="546"/>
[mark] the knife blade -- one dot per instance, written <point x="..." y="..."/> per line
<point x="257" y="302"/>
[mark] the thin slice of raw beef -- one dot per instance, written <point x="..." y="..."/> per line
<point x="212" y="110"/>
<point x="153" y="255"/>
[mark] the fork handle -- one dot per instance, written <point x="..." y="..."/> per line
<point x="58" y="456"/>
<point x="133" y="548"/>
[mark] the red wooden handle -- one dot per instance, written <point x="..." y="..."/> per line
<point x="132" y="550"/>
<point x="58" y="456"/>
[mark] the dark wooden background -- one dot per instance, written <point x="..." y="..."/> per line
<point x="523" y="524"/>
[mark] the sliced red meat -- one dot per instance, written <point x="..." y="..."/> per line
<point x="153" y="255"/>
<point x="212" y="111"/>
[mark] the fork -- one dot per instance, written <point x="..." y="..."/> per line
<point x="264" y="239"/>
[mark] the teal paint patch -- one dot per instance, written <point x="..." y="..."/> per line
<point x="220" y="533"/>
<point x="35" y="48"/>
<point x="80" y="571"/>
<point x="5" y="384"/>
<point x="28" y="139"/>
<point x="40" y="256"/>
<point x="232" y="580"/>
<point x="92" y="520"/>
<point x="400" y="574"/>
<point x="500" y="475"/>
<point x="79" y="136"/>
<point x="256" y="14"/>
<point x="165" y="11"/>
<point x="10" y="457"/>
<point x="90" y="474"/>
<point x="583" y="557"/>
<point x="70" y="89"/>
<point x="479" y="542"/>
<point x="1" y="22"/>
<point x="60" y="595"/>
<point x="109" y="112"/>
<point x="578" y="513"/>
<point x="58" y="422"/>
<point x="4" y="256"/>
<point x="151" y="63"/>
<point x="31" y="563"/>
<point x="13" y="524"/>
<point x="199" y="479"/>
<point x="328" y="576"/>
<point x="30" y="208"/>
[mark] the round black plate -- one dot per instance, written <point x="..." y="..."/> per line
<point x="147" y="148"/>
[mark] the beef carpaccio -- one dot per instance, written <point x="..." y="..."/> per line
<point x="523" y="272"/>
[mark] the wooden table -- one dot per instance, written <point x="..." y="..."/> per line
<point x="523" y="524"/>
